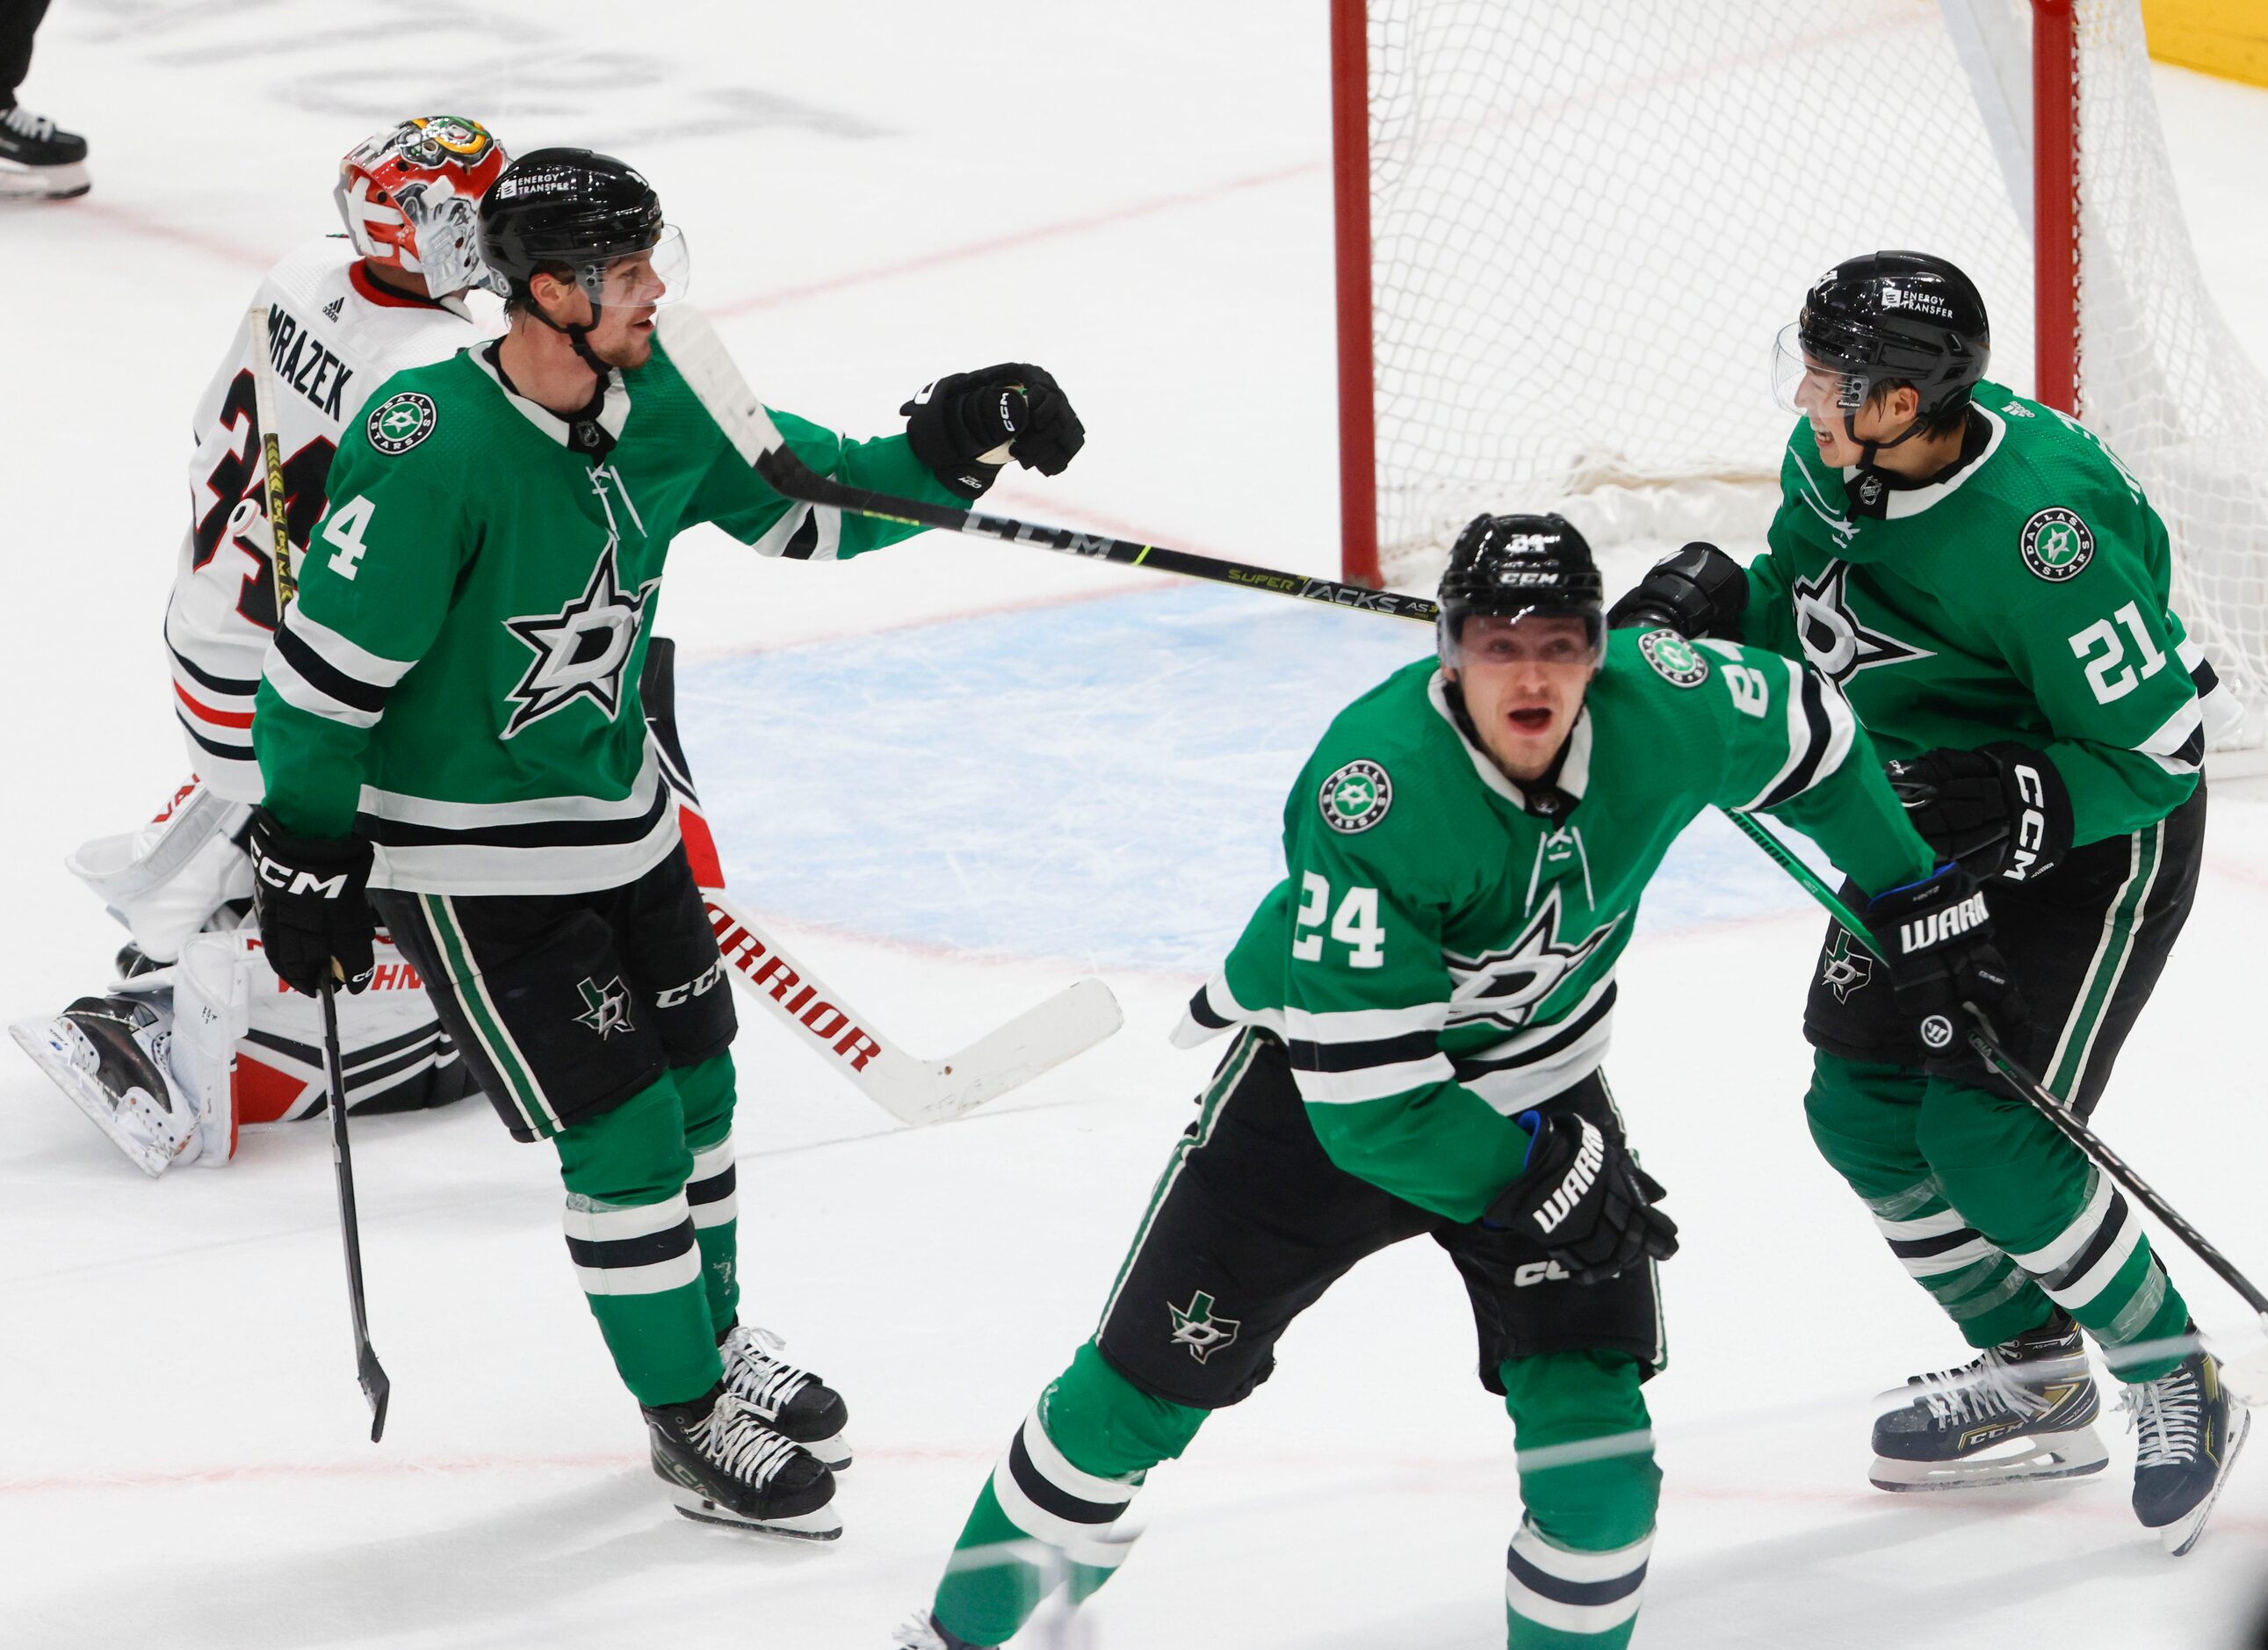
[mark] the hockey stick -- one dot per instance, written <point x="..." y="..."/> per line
<point x="710" y="371"/>
<point x="271" y="457"/>
<point x="375" y="1387"/>
<point x="2247" y="1377"/>
<point x="700" y="355"/>
<point x="911" y="1089"/>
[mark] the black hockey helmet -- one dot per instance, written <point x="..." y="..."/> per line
<point x="567" y="207"/>
<point x="1511" y="566"/>
<point x="1889" y="318"/>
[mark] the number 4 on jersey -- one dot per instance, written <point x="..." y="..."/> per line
<point x="343" y="531"/>
<point x="1355" y="925"/>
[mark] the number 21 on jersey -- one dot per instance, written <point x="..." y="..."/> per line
<point x="1355" y="924"/>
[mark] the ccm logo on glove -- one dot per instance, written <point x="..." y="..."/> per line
<point x="278" y="875"/>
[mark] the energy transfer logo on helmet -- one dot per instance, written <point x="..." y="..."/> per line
<point x="399" y="422"/>
<point x="1355" y="798"/>
<point x="1674" y="659"/>
<point x="2057" y="545"/>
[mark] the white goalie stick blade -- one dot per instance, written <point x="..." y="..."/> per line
<point x="911" y="1089"/>
<point x="711" y="373"/>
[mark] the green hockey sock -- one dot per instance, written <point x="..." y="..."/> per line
<point x="706" y="1092"/>
<point x="1043" y="1518"/>
<point x="631" y="1235"/>
<point x="1576" y="1569"/>
<point x="1866" y="1120"/>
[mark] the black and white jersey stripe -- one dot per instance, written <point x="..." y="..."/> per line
<point x="1052" y="1501"/>
<point x="317" y="670"/>
<point x="1819" y="730"/>
<point x="1573" y="1592"/>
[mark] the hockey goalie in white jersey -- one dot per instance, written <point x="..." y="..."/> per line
<point x="197" y="1037"/>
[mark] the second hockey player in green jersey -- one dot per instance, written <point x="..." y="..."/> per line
<point x="1992" y="590"/>
<point x="1420" y="1011"/>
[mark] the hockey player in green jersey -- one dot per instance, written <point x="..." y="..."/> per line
<point x="1419" y="1011"/>
<point x="1988" y="586"/>
<point x="450" y="718"/>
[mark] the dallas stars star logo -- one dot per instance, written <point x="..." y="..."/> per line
<point x="581" y="650"/>
<point x="606" y="1008"/>
<point x="1505" y="987"/>
<point x="1196" y="1327"/>
<point x="1845" y="968"/>
<point x="1836" y="643"/>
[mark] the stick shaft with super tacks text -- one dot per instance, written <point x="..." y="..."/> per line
<point x="271" y="459"/>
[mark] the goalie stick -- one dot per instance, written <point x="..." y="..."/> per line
<point x="911" y="1089"/>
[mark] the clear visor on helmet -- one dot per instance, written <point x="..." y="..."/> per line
<point x="659" y="275"/>
<point x="1801" y="385"/>
<point x="1540" y="634"/>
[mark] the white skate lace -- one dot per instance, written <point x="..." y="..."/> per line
<point x="756" y="1373"/>
<point x="2167" y="1416"/>
<point x="735" y="1438"/>
<point x="1973" y="1391"/>
<point x="19" y="120"/>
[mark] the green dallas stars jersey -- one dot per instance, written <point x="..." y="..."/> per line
<point x="457" y="679"/>
<point x="2024" y="598"/>
<point x="1441" y="955"/>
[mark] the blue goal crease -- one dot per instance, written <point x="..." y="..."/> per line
<point x="1103" y="781"/>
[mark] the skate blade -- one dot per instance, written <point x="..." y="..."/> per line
<point x="833" y="1453"/>
<point x="36" y="1039"/>
<point x="822" y="1523"/>
<point x="2182" y="1535"/>
<point x="2027" y="1460"/>
<point x="43" y="183"/>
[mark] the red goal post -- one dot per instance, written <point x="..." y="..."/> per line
<point x="1567" y="235"/>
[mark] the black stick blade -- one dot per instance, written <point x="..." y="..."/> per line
<point x="376" y="1388"/>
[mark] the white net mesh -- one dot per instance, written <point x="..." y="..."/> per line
<point x="1588" y="222"/>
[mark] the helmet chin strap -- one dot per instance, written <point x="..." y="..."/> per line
<point x="1868" y="449"/>
<point x="576" y="334"/>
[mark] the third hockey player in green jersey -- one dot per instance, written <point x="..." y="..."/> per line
<point x="1991" y="589"/>
<point x="1420" y="1010"/>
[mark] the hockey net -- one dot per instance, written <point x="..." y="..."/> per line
<point x="1584" y="224"/>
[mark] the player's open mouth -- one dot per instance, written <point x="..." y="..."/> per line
<point x="1533" y="719"/>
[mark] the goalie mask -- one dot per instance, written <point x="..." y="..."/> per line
<point x="410" y="196"/>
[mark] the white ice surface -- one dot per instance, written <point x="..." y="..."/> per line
<point x="955" y="818"/>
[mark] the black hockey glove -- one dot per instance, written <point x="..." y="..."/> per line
<point x="957" y="426"/>
<point x="310" y="896"/>
<point x="2002" y="811"/>
<point x="1584" y="1199"/>
<point x="1937" y="937"/>
<point x="1698" y="592"/>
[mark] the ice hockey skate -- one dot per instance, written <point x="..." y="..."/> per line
<point x="38" y="160"/>
<point x="2188" y="1432"/>
<point x="110" y="1055"/>
<point x="2021" y="1410"/>
<point x="725" y="1466"/>
<point x="790" y="1400"/>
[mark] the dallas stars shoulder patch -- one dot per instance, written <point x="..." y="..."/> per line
<point x="400" y="421"/>
<point x="1674" y="659"/>
<point x="2057" y="545"/>
<point x="1355" y="798"/>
